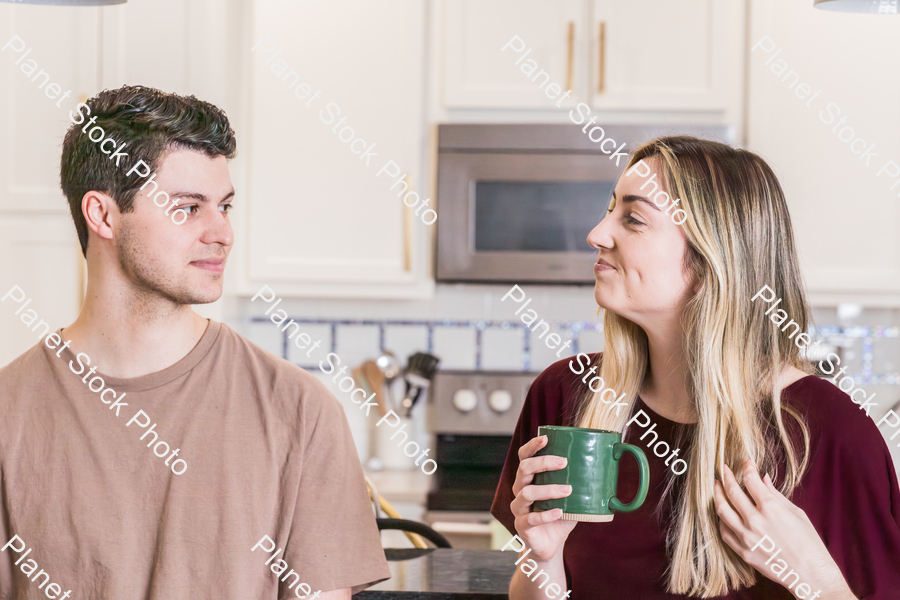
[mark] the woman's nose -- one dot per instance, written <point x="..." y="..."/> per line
<point x="599" y="237"/>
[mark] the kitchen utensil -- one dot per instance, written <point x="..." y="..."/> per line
<point x="392" y="369"/>
<point x="359" y="375"/>
<point x="376" y="379"/>
<point x="420" y="370"/>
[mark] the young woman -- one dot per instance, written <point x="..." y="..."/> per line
<point x="770" y="450"/>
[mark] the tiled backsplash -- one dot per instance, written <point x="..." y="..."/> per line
<point x="470" y="327"/>
<point x="472" y="345"/>
<point x="511" y="346"/>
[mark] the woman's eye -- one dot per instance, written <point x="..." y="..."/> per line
<point x="633" y="221"/>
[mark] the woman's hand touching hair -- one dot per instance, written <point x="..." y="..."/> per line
<point x="744" y="520"/>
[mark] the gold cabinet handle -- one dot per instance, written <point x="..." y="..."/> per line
<point x="601" y="86"/>
<point x="407" y="233"/>
<point x="571" y="60"/>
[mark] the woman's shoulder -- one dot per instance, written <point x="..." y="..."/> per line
<point x="849" y="490"/>
<point x="566" y="373"/>
<point x="558" y="389"/>
<point x="836" y="420"/>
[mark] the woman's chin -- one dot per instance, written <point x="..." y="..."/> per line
<point x="606" y="300"/>
<point x="602" y="300"/>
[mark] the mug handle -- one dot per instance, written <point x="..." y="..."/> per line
<point x="643" y="487"/>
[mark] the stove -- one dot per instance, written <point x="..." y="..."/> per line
<point x="473" y="416"/>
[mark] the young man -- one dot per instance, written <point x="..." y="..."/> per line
<point x="147" y="452"/>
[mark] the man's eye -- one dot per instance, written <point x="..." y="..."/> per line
<point x="191" y="209"/>
<point x="226" y="207"/>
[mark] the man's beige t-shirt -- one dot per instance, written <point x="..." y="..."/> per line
<point x="266" y="449"/>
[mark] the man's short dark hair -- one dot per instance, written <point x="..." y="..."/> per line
<point x="149" y="122"/>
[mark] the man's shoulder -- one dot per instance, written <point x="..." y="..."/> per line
<point x="286" y="381"/>
<point x="255" y="356"/>
<point x="31" y="365"/>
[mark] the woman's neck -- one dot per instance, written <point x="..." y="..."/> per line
<point x="666" y="388"/>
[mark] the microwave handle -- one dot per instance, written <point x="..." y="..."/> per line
<point x="601" y="42"/>
<point x="571" y="55"/>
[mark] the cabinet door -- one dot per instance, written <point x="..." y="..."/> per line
<point x="47" y="268"/>
<point x="179" y="46"/>
<point x="320" y="216"/>
<point x="61" y="42"/>
<point x="666" y="54"/>
<point x="38" y="243"/>
<point x="822" y="110"/>
<point x="478" y="74"/>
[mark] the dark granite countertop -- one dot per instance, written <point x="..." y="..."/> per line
<point x="446" y="574"/>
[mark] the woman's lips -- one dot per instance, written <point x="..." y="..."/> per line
<point x="217" y="265"/>
<point x="602" y="265"/>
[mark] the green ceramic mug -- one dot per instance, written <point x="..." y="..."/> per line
<point x="592" y="471"/>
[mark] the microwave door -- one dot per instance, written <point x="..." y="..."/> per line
<point x="520" y="217"/>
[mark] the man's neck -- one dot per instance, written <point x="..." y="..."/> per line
<point x="130" y="334"/>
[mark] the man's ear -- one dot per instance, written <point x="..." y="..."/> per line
<point x="100" y="213"/>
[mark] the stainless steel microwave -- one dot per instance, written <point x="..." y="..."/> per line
<point x="516" y="202"/>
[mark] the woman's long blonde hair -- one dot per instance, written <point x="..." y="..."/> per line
<point x="739" y="239"/>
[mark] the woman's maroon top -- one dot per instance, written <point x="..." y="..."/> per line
<point x="849" y="492"/>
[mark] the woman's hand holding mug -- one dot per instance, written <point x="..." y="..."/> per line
<point x="544" y="532"/>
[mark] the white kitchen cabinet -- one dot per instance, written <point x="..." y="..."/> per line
<point x="83" y="50"/>
<point x="666" y="54"/>
<point x="38" y="244"/>
<point x="321" y="221"/>
<point x="62" y="42"/>
<point x="478" y="74"/>
<point x="43" y="259"/>
<point x="846" y="218"/>
<point x="179" y="46"/>
<point x="662" y="55"/>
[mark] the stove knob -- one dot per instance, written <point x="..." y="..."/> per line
<point x="465" y="400"/>
<point x="500" y="400"/>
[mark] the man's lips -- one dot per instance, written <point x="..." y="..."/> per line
<point x="216" y="265"/>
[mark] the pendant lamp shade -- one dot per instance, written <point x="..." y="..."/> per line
<point x="888" y="7"/>
<point x="69" y="2"/>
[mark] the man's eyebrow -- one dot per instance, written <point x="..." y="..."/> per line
<point x="198" y="196"/>
<point x="632" y="198"/>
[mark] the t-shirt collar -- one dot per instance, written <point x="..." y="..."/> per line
<point x="151" y="380"/>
